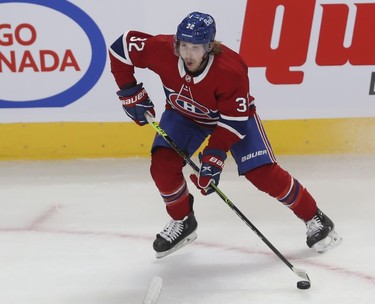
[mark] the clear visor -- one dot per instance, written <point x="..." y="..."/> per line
<point x="195" y="49"/>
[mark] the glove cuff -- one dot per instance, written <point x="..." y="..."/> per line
<point x="130" y="91"/>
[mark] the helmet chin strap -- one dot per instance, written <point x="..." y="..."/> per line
<point x="208" y="47"/>
<point x="204" y="61"/>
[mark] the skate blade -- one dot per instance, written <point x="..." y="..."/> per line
<point x="331" y="241"/>
<point x="190" y="238"/>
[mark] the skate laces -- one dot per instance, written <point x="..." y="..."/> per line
<point x="172" y="230"/>
<point x="314" y="225"/>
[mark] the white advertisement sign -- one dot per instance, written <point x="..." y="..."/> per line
<point x="307" y="59"/>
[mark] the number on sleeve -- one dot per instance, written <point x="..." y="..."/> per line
<point x="137" y="43"/>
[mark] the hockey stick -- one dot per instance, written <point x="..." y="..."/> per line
<point x="153" y="291"/>
<point x="306" y="283"/>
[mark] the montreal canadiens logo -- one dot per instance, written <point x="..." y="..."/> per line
<point x="188" y="106"/>
<point x="51" y="61"/>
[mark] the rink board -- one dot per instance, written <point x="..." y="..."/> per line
<point x="111" y="139"/>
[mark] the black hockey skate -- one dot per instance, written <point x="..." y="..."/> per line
<point x="321" y="234"/>
<point x="175" y="235"/>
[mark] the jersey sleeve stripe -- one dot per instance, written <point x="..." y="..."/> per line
<point x="122" y="59"/>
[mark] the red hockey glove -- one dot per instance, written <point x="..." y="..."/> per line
<point x="212" y="163"/>
<point x="135" y="103"/>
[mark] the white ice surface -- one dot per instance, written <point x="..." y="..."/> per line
<point x="81" y="232"/>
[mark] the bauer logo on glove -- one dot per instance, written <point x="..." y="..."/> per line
<point x="218" y="162"/>
<point x="212" y="163"/>
<point x="132" y="100"/>
<point x="135" y="102"/>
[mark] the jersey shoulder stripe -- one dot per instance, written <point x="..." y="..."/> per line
<point x="119" y="49"/>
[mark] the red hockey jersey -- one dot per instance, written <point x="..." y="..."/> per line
<point x="217" y="98"/>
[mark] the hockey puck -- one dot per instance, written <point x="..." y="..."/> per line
<point x="303" y="284"/>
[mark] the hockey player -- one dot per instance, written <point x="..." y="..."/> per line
<point x="207" y="95"/>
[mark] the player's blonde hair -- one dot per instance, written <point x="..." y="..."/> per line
<point x="216" y="47"/>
